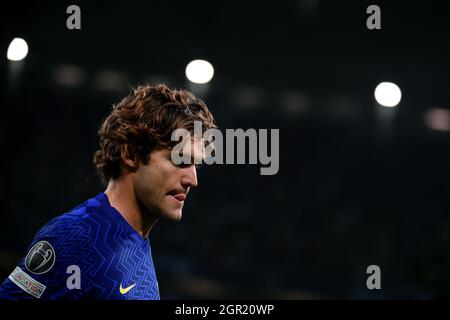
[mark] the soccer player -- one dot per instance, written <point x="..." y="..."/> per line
<point x="100" y="249"/>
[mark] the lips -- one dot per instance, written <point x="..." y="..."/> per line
<point x="179" y="196"/>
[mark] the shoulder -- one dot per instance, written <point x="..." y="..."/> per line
<point x="61" y="248"/>
<point x="67" y="227"/>
<point x="76" y="224"/>
<point x="69" y="236"/>
<point x="61" y="242"/>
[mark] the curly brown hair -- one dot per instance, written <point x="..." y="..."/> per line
<point x="143" y="120"/>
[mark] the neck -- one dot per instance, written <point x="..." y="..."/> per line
<point x="122" y="197"/>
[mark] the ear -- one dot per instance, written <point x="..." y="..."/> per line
<point x="128" y="160"/>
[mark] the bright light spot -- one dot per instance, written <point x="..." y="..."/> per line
<point x="438" y="119"/>
<point x="17" y="50"/>
<point x="388" y="94"/>
<point x="199" y="71"/>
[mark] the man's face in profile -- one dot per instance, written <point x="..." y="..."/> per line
<point x="161" y="186"/>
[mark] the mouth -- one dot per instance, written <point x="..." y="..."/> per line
<point x="179" y="196"/>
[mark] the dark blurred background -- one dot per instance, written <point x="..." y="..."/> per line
<point x="359" y="183"/>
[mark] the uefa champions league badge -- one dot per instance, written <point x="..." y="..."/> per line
<point x="41" y="258"/>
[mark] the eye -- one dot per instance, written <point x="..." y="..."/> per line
<point x="183" y="165"/>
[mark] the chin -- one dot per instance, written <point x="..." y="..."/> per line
<point x="174" y="215"/>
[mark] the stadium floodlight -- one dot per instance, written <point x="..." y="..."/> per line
<point x="17" y="50"/>
<point x="388" y="94"/>
<point x="199" y="71"/>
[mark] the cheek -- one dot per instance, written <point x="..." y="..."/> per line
<point x="156" y="179"/>
<point x="145" y="183"/>
<point x="151" y="181"/>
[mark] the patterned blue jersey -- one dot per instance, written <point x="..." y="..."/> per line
<point x="90" y="252"/>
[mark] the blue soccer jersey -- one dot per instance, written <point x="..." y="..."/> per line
<point x="91" y="252"/>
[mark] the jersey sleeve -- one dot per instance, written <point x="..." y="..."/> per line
<point x="57" y="265"/>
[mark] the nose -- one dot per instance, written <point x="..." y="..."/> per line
<point x="189" y="178"/>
